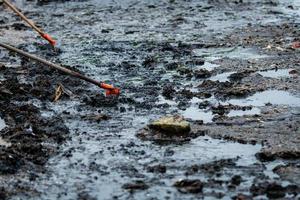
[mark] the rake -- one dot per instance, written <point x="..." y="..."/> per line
<point x="109" y="89"/>
<point x="43" y="34"/>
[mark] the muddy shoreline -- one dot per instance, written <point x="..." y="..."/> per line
<point x="227" y="66"/>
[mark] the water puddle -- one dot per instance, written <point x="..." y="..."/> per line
<point x="163" y="100"/>
<point x="239" y="113"/>
<point x="122" y="3"/>
<point x="270" y="166"/>
<point x="275" y="97"/>
<point x="244" y="54"/>
<point x="205" y="149"/>
<point x="223" y="77"/>
<point x="275" y="73"/>
<point x="208" y="66"/>
<point x="195" y="113"/>
<point x="2" y="124"/>
<point x="212" y="53"/>
<point x="232" y="53"/>
<point x="207" y="116"/>
<point x="288" y="11"/>
<point x="257" y="100"/>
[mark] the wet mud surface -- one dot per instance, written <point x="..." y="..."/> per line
<point x="226" y="66"/>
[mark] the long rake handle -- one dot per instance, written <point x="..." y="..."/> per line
<point x="23" y="16"/>
<point x="43" y="34"/>
<point x="110" y="90"/>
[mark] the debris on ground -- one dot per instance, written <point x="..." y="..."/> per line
<point x="173" y="125"/>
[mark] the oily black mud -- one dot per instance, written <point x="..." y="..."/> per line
<point x="167" y="57"/>
<point x="32" y="138"/>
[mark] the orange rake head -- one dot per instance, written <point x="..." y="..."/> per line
<point x="296" y="45"/>
<point x="110" y="90"/>
<point x="49" y="39"/>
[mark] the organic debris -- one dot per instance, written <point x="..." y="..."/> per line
<point x="58" y="93"/>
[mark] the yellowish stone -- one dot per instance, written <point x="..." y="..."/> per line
<point x="171" y="125"/>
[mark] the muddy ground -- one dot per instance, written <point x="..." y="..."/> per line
<point x="227" y="66"/>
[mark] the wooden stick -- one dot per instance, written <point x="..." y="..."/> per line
<point x="43" y="34"/>
<point x="110" y="90"/>
<point x="23" y="16"/>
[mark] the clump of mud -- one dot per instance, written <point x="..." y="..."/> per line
<point x="32" y="137"/>
<point x="189" y="186"/>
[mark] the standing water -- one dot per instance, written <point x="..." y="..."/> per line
<point x="2" y="124"/>
<point x="3" y="142"/>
